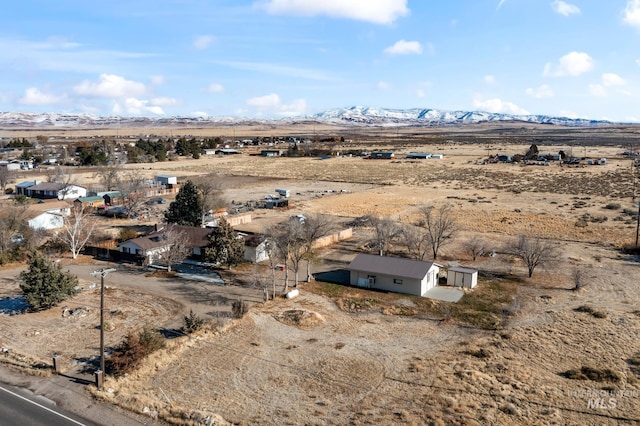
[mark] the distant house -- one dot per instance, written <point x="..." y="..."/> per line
<point x="255" y="247"/>
<point x="166" y="179"/>
<point x="277" y="203"/>
<point x="271" y="153"/>
<point x="48" y="214"/>
<point x="150" y="247"/>
<point x="393" y="274"/>
<point x="113" y="198"/>
<point x="11" y="166"/>
<point x="21" y="188"/>
<point x="90" y="202"/>
<point x="49" y="190"/>
<point x="418" y="155"/>
<point x="462" y="277"/>
<point x="378" y="155"/>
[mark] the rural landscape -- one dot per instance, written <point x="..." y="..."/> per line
<point x="543" y="217"/>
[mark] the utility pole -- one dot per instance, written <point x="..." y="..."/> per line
<point x="100" y="373"/>
<point x="638" y="226"/>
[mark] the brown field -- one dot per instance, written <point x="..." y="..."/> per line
<point x="338" y="355"/>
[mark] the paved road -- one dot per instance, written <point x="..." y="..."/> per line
<point x="19" y="407"/>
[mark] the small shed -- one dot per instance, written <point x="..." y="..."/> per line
<point x="278" y="203"/>
<point x="378" y="155"/>
<point x="166" y="179"/>
<point x="462" y="277"/>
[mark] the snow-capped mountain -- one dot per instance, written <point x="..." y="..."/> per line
<point x="356" y="115"/>
<point x="433" y="117"/>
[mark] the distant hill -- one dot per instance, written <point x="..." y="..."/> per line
<point x="356" y="115"/>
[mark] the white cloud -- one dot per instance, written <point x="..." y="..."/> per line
<point x="163" y="101"/>
<point x="375" y="11"/>
<point x="632" y="13"/>
<point x="572" y="64"/>
<point x="564" y="8"/>
<point x="489" y="79"/>
<point x="383" y="85"/>
<point x="110" y="86"/>
<point x="277" y="69"/>
<point x="33" y="96"/>
<point x="569" y="114"/>
<point x="157" y="80"/>
<point x="271" y="104"/>
<point x="200" y="114"/>
<point x="611" y="79"/>
<point x="543" y="91"/>
<point x="203" y="41"/>
<point x="267" y="101"/>
<point x="403" y="47"/>
<point x="500" y="3"/>
<point x="420" y="93"/>
<point x="215" y="88"/>
<point x="136" y="106"/>
<point x="498" y="106"/>
<point x="597" y="90"/>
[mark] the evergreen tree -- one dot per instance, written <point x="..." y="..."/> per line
<point x="186" y="209"/>
<point x="224" y="245"/>
<point x="45" y="285"/>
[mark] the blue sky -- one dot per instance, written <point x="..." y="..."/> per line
<point x="279" y="58"/>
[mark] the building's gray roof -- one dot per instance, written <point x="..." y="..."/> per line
<point x="196" y="237"/>
<point x="392" y="266"/>
<point x="51" y="186"/>
<point x="463" y="270"/>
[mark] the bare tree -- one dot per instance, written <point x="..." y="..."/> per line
<point x="578" y="278"/>
<point x="5" y="177"/>
<point x="178" y="246"/>
<point x="385" y="230"/>
<point x="314" y="227"/>
<point x="13" y="223"/>
<point x="415" y="241"/>
<point x="271" y="250"/>
<point x="286" y="241"/>
<point x="211" y="195"/>
<point x="131" y="187"/>
<point x="476" y="247"/>
<point x="109" y="176"/>
<point x="440" y="226"/>
<point x="62" y="176"/>
<point x="533" y="252"/>
<point x="77" y="229"/>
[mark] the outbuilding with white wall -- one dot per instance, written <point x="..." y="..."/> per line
<point x="462" y="277"/>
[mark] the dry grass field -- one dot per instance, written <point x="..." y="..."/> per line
<point x="514" y="351"/>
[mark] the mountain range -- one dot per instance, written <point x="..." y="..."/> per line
<point x="356" y="115"/>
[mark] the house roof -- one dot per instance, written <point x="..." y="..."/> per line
<point x="26" y="184"/>
<point x="463" y="270"/>
<point x="196" y="237"/>
<point x="48" y="205"/>
<point x="51" y="186"/>
<point x="90" y="199"/>
<point x="394" y="266"/>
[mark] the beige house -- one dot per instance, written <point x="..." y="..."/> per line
<point x="393" y="274"/>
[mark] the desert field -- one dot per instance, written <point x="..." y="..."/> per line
<point x="510" y="353"/>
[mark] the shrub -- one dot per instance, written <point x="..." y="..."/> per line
<point x="45" y="285"/>
<point x="127" y="234"/>
<point x="592" y="373"/>
<point x="192" y="322"/>
<point x="613" y="206"/>
<point x="132" y="350"/>
<point x="239" y="308"/>
<point x="589" y="310"/>
<point x="634" y="363"/>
